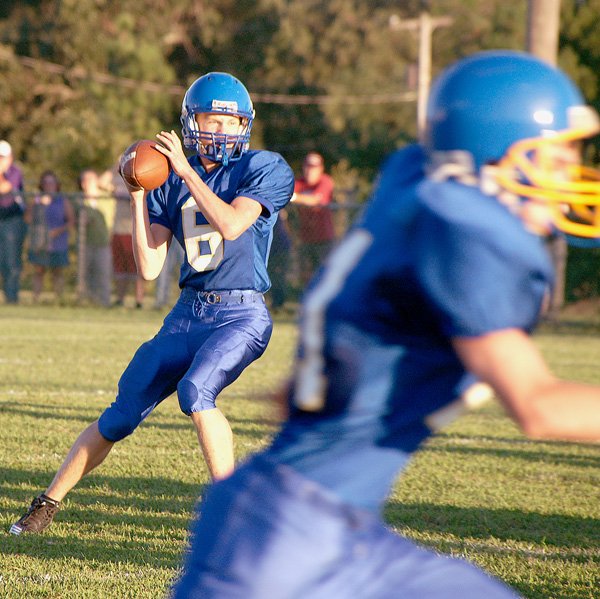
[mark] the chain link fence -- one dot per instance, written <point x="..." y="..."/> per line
<point x="99" y="269"/>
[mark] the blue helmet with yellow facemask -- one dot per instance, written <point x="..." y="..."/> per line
<point x="512" y="110"/>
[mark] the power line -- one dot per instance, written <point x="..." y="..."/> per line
<point x="332" y="100"/>
<point x="178" y="90"/>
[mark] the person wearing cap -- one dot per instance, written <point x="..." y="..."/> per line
<point x="313" y="193"/>
<point x="12" y="224"/>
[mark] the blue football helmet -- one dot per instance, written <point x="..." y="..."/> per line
<point x="218" y="93"/>
<point x="514" y="111"/>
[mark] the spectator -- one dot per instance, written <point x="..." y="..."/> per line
<point x="12" y="224"/>
<point x="97" y="210"/>
<point x="164" y="281"/>
<point x="313" y="193"/>
<point x="51" y="218"/>
<point x="279" y="261"/>
<point x="125" y="269"/>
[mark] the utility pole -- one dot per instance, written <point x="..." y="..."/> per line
<point x="425" y="25"/>
<point x="543" y="25"/>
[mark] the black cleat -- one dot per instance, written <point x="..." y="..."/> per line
<point x="39" y="516"/>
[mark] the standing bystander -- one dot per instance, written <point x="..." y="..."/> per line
<point x="12" y="224"/>
<point x="51" y="219"/>
<point x="121" y="241"/>
<point x="313" y="193"/>
<point x="98" y="210"/>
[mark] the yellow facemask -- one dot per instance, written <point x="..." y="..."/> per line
<point x="571" y="191"/>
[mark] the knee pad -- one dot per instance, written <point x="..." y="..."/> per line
<point x="115" y="424"/>
<point x="191" y="399"/>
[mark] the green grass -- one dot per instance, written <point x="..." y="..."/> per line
<point x="526" y="511"/>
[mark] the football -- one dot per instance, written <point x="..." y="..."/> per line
<point x="142" y="165"/>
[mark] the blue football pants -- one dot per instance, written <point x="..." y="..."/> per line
<point x="201" y="348"/>
<point x="269" y="533"/>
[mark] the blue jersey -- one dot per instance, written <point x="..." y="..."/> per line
<point x="427" y="261"/>
<point x="210" y="262"/>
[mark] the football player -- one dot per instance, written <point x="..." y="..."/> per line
<point x="220" y="205"/>
<point x="439" y="283"/>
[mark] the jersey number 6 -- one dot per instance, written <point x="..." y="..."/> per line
<point x="203" y="245"/>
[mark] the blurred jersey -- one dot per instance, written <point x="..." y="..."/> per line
<point x="210" y="262"/>
<point x="428" y="261"/>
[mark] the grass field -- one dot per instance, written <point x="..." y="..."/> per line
<point x="527" y="511"/>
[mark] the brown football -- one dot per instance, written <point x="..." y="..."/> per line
<point x="142" y="165"/>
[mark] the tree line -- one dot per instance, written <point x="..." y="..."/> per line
<point x="82" y="79"/>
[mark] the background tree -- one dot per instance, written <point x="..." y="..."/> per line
<point x="63" y="111"/>
<point x="112" y="71"/>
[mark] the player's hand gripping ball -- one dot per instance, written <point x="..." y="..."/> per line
<point x="142" y="165"/>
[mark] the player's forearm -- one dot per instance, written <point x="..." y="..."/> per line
<point x="222" y="216"/>
<point x="564" y="410"/>
<point x="149" y="254"/>
<point x="542" y="405"/>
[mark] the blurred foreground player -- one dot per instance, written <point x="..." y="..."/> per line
<point x="438" y="284"/>
<point x="221" y="206"/>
